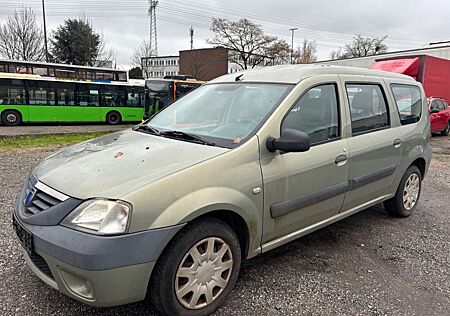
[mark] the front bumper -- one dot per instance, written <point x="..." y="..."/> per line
<point x="96" y="270"/>
<point x="109" y="287"/>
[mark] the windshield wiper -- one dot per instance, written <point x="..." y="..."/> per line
<point x="187" y="137"/>
<point x="147" y="129"/>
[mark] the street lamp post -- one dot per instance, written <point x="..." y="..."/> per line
<point x="45" y="32"/>
<point x="292" y="43"/>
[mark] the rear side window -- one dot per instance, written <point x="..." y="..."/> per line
<point x="316" y="114"/>
<point x="409" y="103"/>
<point x="367" y="107"/>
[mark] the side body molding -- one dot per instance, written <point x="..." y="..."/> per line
<point x="299" y="202"/>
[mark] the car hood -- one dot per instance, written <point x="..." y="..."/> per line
<point x="113" y="165"/>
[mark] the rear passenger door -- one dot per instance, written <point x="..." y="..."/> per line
<point x="375" y="147"/>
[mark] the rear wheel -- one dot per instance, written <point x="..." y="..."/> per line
<point x="197" y="270"/>
<point x="446" y="131"/>
<point x="405" y="200"/>
<point x="113" y="118"/>
<point x="11" y="118"/>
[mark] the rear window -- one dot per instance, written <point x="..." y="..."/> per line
<point x="409" y="103"/>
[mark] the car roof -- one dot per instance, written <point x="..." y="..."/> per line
<point x="295" y="73"/>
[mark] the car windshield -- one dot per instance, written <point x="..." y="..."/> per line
<point x="229" y="111"/>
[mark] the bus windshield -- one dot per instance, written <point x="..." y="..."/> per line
<point x="162" y="92"/>
<point x="230" y="111"/>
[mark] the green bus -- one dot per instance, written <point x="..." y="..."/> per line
<point x="32" y="98"/>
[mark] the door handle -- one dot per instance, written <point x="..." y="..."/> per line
<point x="340" y="160"/>
<point x="397" y="143"/>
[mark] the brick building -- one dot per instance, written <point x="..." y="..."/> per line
<point x="209" y="63"/>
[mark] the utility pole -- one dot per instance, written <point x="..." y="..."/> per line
<point x="292" y="44"/>
<point x="191" y="32"/>
<point x="153" y="35"/>
<point x="45" y="32"/>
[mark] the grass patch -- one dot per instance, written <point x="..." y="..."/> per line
<point x="40" y="141"/>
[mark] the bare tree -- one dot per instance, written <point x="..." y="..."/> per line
<point x="280" y="51"/>
<point x="21" y="38"/>
<point x="245" y="38"/>
<point x="306" y="53"/>
<point x="143" y="50"/>
<point x="361" y="46"/>
<point x="337" y="54"/>
<point x="106" y="53"/>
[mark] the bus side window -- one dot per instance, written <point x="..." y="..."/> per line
<point x="134" y="98"/>
<point x="41" y="93"/>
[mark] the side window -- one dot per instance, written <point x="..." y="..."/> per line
<point x="367" y="107"/>
<point x="66" y="96"/>
<point x="434" y="105"/>
<point x="316" y="114"/>
<point x="87" y="95"/>
<point x="12" y="92"/>
<point x="409" y="103"/>
<point x="441" y="105"/>
<point x="40" y="93"/>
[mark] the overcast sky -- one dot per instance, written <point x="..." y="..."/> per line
<point x="409" y="24"/>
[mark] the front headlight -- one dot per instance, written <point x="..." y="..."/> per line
<point x="101" y="217"/>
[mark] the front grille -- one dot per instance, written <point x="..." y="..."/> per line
<point x="40" y="263"/>
<point x="40" y="202"/>
<point x="39" y="197"/>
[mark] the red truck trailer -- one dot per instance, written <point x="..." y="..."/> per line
<point x="432" y="72"/>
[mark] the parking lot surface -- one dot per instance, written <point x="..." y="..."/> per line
<point x="368" y="264"/>
<point x="27" y="130"/>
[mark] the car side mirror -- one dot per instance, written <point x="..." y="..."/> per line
<point x="291" y="140"/>
<point x="434" y="111"/>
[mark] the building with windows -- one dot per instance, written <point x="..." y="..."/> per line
<point x="160" y="66"/>
<point x="202" y="64"/>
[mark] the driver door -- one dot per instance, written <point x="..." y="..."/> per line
<point x="301" y="189"/>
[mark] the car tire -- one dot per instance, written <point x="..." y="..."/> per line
<point x="11" y="118"/>
<point x="207" y="249"/>
<point x="446" y="131"/>
<point x="407" y="196"/>
<point x="113" y="118"/>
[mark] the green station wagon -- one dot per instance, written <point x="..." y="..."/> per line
<point x="248" y="162"/>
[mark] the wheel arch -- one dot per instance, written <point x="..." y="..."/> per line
<point x="421" y="164"/>
<point x="236" y="223"/>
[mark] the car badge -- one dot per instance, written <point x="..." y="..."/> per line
<point x="29" y="197"/>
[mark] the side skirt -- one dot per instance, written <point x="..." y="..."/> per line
<point x="304" y="231"/>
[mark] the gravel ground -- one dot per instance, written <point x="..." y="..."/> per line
<point x="368" y="264"/>
<point x="24" y="130"/>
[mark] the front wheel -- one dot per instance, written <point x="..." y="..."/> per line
<point x="197" y="270"/>
<point x="446" y="131"/>
<point x="11" y="118"/>
<point x="113" y="118"/>
<point x="405" y="200"/>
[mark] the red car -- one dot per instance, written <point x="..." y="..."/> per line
<point x="440" y="115"/>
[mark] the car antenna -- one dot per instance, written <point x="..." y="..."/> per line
<point x="238" y="78"/>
